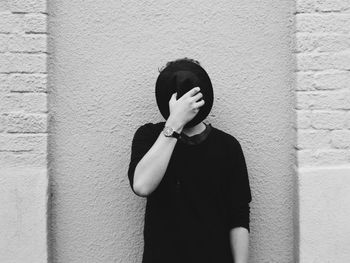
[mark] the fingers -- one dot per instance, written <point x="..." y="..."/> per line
<point x="198" y="104"/>
<point x="197" y="96"/>
<point x="191" y="92"/>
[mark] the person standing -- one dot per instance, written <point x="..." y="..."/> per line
<point x="193" y="174"/>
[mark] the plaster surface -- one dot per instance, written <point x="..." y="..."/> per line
<point x="324" y="214"/>
<point x="103" y="65"/>
<point x="23" y="224"/>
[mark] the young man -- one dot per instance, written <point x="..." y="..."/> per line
<point x="193" y="175"/>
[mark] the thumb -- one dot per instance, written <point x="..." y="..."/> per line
<point x="173" y="97"/>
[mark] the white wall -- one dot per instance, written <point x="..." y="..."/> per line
<point x="105" y="56"/>
<point x="323" y="129"/>
<point x="23" y="131"/>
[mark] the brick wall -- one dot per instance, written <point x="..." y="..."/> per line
<point x="23" y="131"/>
<point x="323" y="128"/>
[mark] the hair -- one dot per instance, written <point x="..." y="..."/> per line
<point x="178" y="60"/>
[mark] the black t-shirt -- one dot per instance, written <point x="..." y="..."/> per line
<point x="203" y="194"/>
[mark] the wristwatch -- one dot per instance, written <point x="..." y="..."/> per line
<point x="170" y="132"/>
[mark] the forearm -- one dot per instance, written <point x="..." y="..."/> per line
<point x="151" y="168"/>
<point x="239" y="238"/>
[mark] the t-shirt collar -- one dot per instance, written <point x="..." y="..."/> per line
<point x="197" y="138"/>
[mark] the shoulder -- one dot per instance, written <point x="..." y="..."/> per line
<point x="149" y="129"/>
<point x="227" y="138"/>
<point x="150" y="125"/>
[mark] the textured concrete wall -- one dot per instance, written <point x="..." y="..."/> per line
<point x="323" y="127"/>
<point x="23" y="131"/>
<point x="103" y="68"/>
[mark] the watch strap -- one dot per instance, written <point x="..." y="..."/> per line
<point x="176" y="134"/>
<point x="173" y="134"/>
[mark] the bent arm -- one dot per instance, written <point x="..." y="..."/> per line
<point x="151" y="168"/>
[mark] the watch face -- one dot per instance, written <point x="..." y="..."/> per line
<point x="168" y="131"/>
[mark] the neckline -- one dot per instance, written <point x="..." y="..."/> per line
<point x="197" y="139"/>
<point x="197" y="134"/>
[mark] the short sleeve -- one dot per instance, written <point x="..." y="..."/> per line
<point x="236" y="187"/>
<point x="142" y="141"/>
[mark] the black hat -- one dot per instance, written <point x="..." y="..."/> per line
<point x="181" y="76"/>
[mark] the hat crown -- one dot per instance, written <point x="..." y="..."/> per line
<point x="183" y="81"/>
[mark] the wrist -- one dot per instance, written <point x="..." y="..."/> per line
<point x="175" y="125"/>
